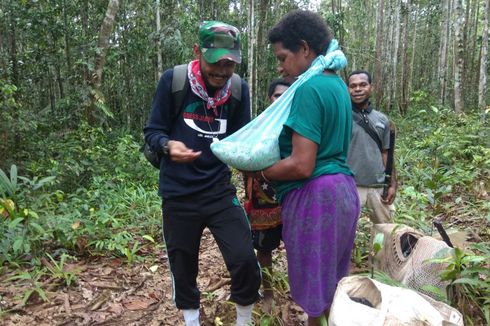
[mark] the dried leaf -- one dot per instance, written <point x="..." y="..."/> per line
<point x="138" y="303"/>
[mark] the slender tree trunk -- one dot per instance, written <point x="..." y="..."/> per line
<point x="66" y="38"/>
<point x="251" y="53"/>
<point x="13" y="52"/>
<point x="59" y="79"/>
<point x="414" y="49"/>
<point x="85" y="33"/>
<point x="472" y="51"/>
<point x="482" y="89"/>
<point x="378" y="78"/>
<point x="52" y="96"/>
<point x="15" y="80"/>
<point x="443" y="49"/>
<point x="100" y="55"/>
<point x="403" y="99"/>
<point x="158" y="42"/>
<point x="458" y="56"/>
<point x="388" y="55"/>
<point x="395" y="52"/>
<point x="260" y="80"/>
<point x="103" y="43"/>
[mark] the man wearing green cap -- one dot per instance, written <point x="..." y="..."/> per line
<point x="194" y="185"/>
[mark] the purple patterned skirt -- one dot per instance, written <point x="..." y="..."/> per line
<point x="319" y="227"/>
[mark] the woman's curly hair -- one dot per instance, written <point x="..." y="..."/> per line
<point x="301" y="25"/>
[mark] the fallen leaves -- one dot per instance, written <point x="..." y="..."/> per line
<point x="109" y="292"/>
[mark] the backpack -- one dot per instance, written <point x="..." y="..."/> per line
<point x="180" y="88"/>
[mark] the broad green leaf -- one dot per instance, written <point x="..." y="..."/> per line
<point x="15" y="222"/>
<point x="470" y="281"/>
<point x="6" y="186"/>
<point x="17" y="244"/>
<point x="13" y="176"/>
<point x="149" y="238"/>
<point x="38" y="227"/>
<point x="473" y="259"/>
<point x="23" y="276"/>
<point x="33" y="214"/>
<point x="378" y="242"/>
<point x="439" y="293"/>
<point x="43" y="181"/>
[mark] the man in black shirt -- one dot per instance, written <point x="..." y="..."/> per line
<point x="194" y="185"/>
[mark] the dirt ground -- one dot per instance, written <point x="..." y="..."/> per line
<point x="111" y="292"/>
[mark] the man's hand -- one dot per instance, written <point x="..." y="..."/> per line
<point x="390" y="196"/>
<point x="179" y="153"/>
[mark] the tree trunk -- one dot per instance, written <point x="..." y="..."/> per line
<point x="443" y="49"/>
<point x="85" y="33"/>
<point x="403" y="99"/>
<point x="458" y="56"/>
<point x="482" y="88"/>
<point x="103" y="43"/>
<point x="251" y="54"/>
<point x="394" y="55"/>
<point x="378" y="78"/>
<point x="158" y="42"/>
<point x="15" y="80"/>
<point x="13" y="52"/>
<point x="67" y="39"/>
<point x="100" y="55"/>
<point x="414" y="47"/>
<point x="261" y="79"/>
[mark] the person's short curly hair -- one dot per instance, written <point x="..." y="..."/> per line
<point x="360" y="72"/>
<point x="301" y="25"/>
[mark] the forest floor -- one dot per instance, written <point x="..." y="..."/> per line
<point x="108" y="291"/>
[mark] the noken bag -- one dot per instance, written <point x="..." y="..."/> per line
<point x="256" y="145"/>
<point x="361" y="301"/>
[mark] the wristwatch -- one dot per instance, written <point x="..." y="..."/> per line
<point x="166" y="150"/>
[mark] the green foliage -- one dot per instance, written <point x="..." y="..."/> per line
<point x="469" y="276"/>
<point x="378" y="242"/>
<point x="35" y="285"/>
<point x="443" y="164"/>
<point x="58" y="270"/>
<point x="361" y="252"/>
<point x="21" y="225"/>
<point x="440" y="158"/>
<point x="100" y="197"/>
<point x="14" y="121"/>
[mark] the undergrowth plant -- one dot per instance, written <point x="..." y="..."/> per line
<point x="443" y="164"/>
<point x="57" y="269"/>
<point x="441" y="156"/>
<point x="99" y="198"/>
<point x="468" y="275"/>
<point x="33" y="279"/>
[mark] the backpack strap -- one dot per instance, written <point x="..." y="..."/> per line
<point x="236" y="94"/>
<point x="180" y="86"/>
<point x="236" y="87"/>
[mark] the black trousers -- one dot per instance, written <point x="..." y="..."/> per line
<point x="184" y="220"/>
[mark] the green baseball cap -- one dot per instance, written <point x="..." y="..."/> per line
<point x="219" y="41"/>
